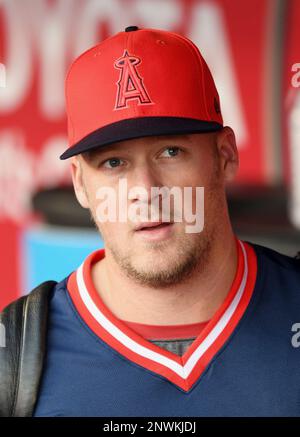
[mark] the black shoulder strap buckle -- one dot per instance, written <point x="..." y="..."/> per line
<point x="24" y="323"/>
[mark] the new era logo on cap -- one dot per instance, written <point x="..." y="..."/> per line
<point x="138" y="83"/>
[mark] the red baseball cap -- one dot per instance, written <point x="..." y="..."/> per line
<point x="140" y="82"/>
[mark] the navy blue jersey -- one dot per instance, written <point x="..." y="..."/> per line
<point x="245" y="362"/>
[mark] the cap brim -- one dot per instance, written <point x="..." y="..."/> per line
<point x="140" y="127"/>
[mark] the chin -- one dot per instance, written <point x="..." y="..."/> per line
<point x="151" y="262"/>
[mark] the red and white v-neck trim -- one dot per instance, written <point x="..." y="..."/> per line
<point x="182" y="371"/>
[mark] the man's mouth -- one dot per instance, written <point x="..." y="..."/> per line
<point x="152" y="231"/>
<point x="150" y="226"/>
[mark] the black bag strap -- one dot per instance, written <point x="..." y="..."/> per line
<point x="24" y="323"/>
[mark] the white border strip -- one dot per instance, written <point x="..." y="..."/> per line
<point x="220" y="326"/>
<point x="182" y="371"/>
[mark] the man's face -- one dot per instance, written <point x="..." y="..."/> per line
<point x="152" y="256"/>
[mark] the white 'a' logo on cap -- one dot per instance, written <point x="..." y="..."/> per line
<point x="130" y="84"/>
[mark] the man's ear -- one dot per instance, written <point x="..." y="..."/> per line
<point x="228" y="153"/>
<point x="78" y="184"/>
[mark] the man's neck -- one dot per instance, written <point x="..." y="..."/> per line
<point x="195" y="300"/>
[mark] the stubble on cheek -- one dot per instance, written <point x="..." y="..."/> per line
<point x="160" y="264"/>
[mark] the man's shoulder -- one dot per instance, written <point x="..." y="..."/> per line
<point x="41" y="294"/>
<point x="25" y="322"/>
<point x="278" y="275"/>
<point x="277" y="259"/>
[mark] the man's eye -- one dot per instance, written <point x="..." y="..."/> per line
<point x="112" y="163"/>
<point x="171" y="151"/>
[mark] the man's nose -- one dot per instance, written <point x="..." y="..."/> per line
<point x="144" y="177"/>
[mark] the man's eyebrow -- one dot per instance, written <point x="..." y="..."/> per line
<point x="171" y="137"/>
<point x="116" y="147"/>
<point x="102" y="149"/>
